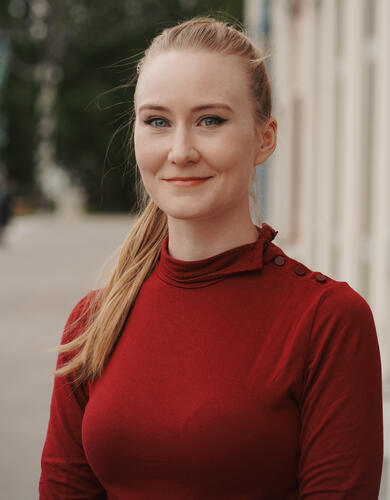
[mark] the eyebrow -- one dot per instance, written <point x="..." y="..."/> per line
<point x="196" y="108"/>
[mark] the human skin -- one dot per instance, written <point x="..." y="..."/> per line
<point x="213" y="216"/>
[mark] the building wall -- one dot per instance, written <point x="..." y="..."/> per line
<point x="327" y="185"/>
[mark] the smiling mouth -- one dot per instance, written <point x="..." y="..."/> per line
<point x="186" y="178"/>
<point x="191" y="181"/>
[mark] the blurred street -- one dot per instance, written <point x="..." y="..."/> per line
<point x="47" y="263"/>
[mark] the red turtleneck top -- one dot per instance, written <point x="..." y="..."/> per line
<point x="243" y="376"/>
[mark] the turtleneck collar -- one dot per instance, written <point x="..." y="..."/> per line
<point x="205" y="272"/>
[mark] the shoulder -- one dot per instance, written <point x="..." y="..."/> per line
<point x="76" y="325"/>
<point x="289" y="268"/>
<point x="78" y="317"/>
<point x="337" y="321"/>
<point x="329" y="295"/>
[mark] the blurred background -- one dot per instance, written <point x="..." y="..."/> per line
<point x="67" y="194"/>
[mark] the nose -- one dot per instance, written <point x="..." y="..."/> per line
<point x="182" y="150"/>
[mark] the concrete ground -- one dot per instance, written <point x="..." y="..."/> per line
<point x="47" y="263"/>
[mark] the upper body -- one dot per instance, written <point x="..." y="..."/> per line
<point x="244" y="375"/>
<point x="222" y="368"/>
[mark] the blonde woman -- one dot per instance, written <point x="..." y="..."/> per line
<point x="212" y="365"/>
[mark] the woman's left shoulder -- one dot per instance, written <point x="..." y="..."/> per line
<point x="341" y="305"/>
<point x="311" y="284"/>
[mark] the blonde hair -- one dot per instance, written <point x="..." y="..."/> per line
<point x="96" y="323"/>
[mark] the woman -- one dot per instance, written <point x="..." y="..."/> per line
<point x="212" y="365"/>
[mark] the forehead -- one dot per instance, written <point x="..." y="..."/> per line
<point x="188" y="76"/>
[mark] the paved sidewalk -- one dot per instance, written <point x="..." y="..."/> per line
<point x="47" y="263"/>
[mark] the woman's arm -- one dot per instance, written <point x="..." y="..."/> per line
<point x="341" y="406"/>
<point x="66" y="473"/>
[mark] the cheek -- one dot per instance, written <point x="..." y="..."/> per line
<point x="138" y="150"/>
<point x="145" y="155"/>
<point x="233" y="145"/>
<point x="232" y="155"/>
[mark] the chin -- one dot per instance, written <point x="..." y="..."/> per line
<point x="185" y="216"/>
<point x="184" y="209"/>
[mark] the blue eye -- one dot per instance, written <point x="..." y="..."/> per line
<point x="217" y="118"/>
<point x="151" y="120"/>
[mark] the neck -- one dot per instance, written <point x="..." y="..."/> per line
<point x="199" y="239"/>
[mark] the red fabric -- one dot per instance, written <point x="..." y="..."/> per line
<point x="235" y="377"/>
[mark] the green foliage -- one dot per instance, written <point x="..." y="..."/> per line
<point x="101" y="42"/>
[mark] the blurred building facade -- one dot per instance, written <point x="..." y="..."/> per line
<point x="327" y="185"/>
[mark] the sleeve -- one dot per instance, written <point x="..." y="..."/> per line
<point x="341" y="436"/>
<point x="65" y="472"/>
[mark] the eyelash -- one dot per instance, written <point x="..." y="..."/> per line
<point x="220" y="120"/>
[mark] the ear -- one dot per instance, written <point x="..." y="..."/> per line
<point x="266" y="140"/>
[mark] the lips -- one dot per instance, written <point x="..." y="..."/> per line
<point x="187" y="178"/>
<point x="187" y="181"/>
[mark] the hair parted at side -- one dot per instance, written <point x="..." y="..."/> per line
<point x="96" y="323"/>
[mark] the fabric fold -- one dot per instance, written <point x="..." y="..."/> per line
<point x="207" y="271"/>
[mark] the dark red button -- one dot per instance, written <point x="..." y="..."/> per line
<point x="300" y="270"/>
<point x="279" y="260"/>
<point x="320" y="277"/>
